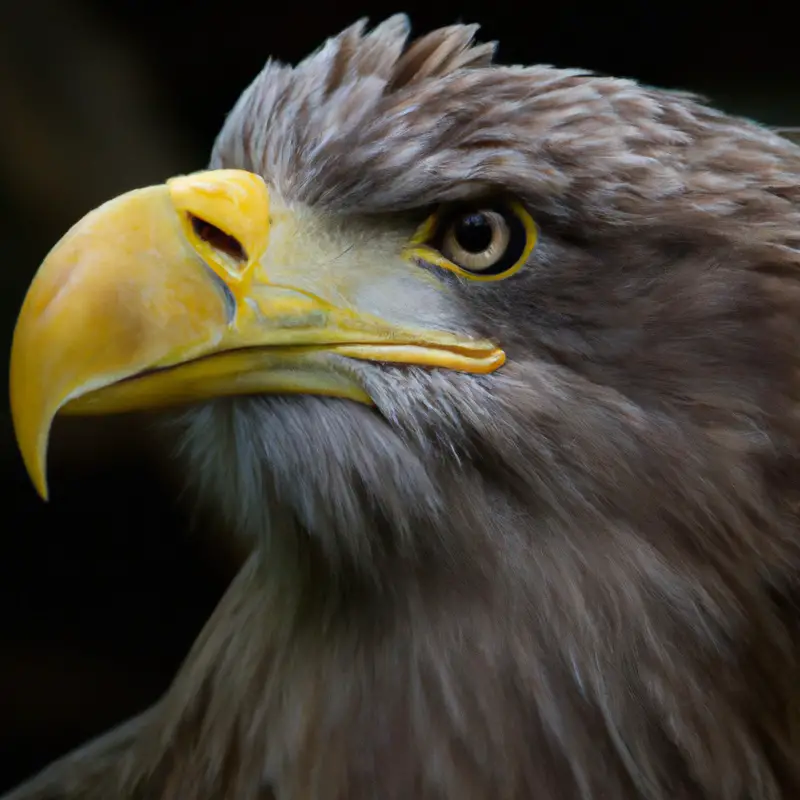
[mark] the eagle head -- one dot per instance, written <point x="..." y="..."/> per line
<point x="498" y="366"/>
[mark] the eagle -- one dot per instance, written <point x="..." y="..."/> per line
<point x="498" y="370"/>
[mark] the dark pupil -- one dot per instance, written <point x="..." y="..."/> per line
<point x="473" y="232"/>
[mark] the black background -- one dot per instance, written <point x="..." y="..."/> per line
<point x="103" y="589"/>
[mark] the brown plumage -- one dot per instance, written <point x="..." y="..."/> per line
<point x="575" y="577"/>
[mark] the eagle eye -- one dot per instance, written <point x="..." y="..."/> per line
<point x="481" y="241"/>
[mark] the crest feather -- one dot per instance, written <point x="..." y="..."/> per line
<point x="382" y="53"/>
<point x="439" y="53"/>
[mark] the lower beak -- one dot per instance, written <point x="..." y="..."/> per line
<point x="157" y="298"/>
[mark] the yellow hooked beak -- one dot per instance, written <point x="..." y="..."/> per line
<point x="168" y="295"/>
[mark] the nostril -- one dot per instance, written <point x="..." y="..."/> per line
<point x="218" y="239"/>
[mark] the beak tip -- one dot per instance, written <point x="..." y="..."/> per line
<point x="33" y="449"/>
<point x="40" y="484"/>
<point x="37" y="471"/>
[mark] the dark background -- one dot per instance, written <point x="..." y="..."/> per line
<point x="103" y="589"/>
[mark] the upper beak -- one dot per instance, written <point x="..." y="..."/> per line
<point x="161" y="297"/>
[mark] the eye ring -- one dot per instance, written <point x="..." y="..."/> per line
<point x="483" y="241"/>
